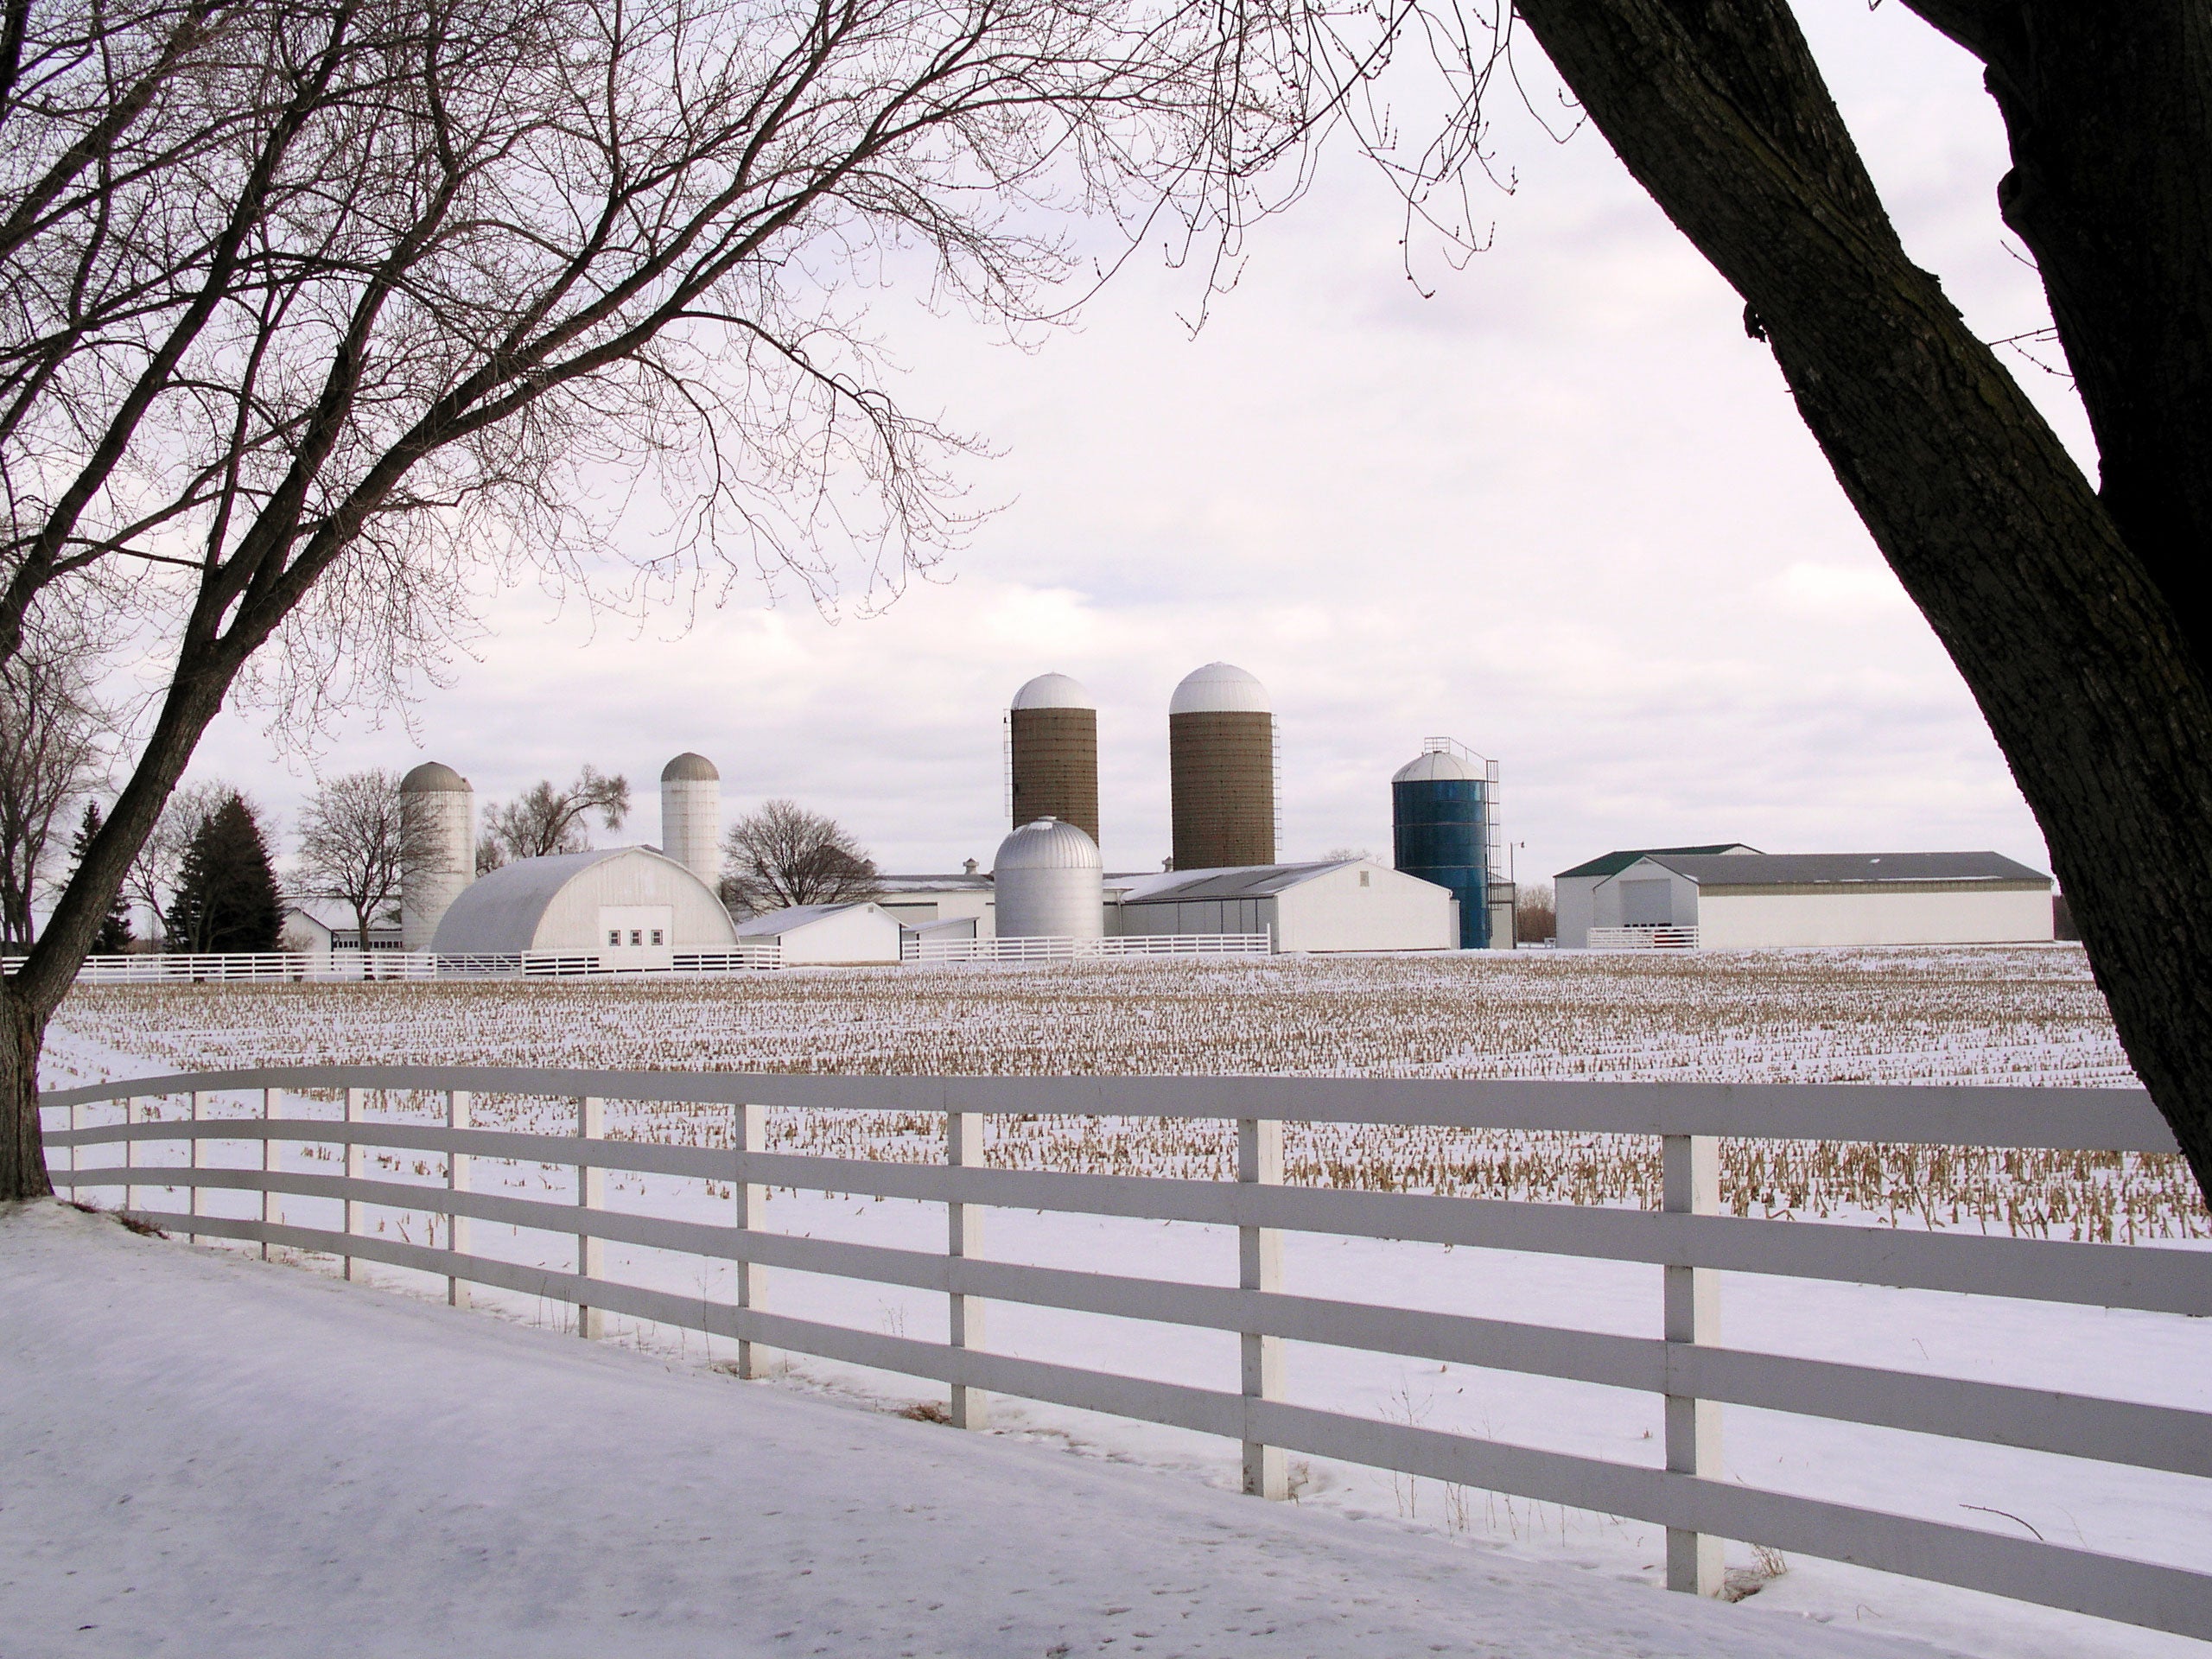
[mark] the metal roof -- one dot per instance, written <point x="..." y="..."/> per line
<point x="433" y="776"/>
<point x="1614" y="862"/>
<point x="1220" y="688"/>
<point x="1050" y="843"/>
<point x="1054" y="691"/>
<point x="689" y="768"/>
<point x="499" y="910"/>
<point x="1776" y="869"/>
<point x="1251" y="881"/>
<point x="773" y="923"/>
<point x="1435" y="764"/>
<point x="956" y="883"/>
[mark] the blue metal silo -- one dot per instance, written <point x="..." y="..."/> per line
<point x="1443" y="810"/>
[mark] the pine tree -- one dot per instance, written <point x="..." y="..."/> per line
<point x="115" y="936"/>
<point x="227" y="895"/>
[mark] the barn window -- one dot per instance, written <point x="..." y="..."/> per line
<point x="614" y="936"/>
<point x="1363" y="878"/>
<point x="637" y="935"/>
<point x="657" y="936"/>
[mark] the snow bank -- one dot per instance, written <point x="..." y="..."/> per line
<point x="206" y="1454"/>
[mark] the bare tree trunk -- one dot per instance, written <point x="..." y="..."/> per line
<point x="2082" y="665"/>
<point x="23" y="1156"/>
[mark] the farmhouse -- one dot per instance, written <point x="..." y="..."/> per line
<point x="629" y="906"/>
<point x="829" y="936"/>
<point x="1740" y="899"/>
<point x="1352" y="904"/>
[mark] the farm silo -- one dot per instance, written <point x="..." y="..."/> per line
<point x="1053" y="753"/>
<point x="438" y="809"/>
<point x="1442" y="807"/>
<point x="1047" y="882"/>
<point x="1221" y="767"/>
<point x="691" y="816"/>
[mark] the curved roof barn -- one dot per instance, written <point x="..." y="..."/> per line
<point x="571" y="901"/>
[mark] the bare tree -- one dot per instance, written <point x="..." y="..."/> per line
<point x="54" y="735"/>
<point x="151" y="880"/>
<point x="785" y="855"/>
<point x="543" y="820"/>
<point x="1535" y="912"/>
<point x="323" y="316"/>
<point x="355" y="841"/>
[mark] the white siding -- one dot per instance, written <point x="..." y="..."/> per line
<point x="861" y="934"/>
<point x="1392" y="911"/>
<point x="1747" y="917"/>
<point x="636" y="880"/>
<point x="1609" y="906"/>
<point x="1573" y="894"/>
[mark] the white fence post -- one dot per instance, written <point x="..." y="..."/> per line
<point x="1692" y="1179"/>
<point x="271" y="1213"/>
<point x="198" y="1160"/>
<point x="591" y="1194"/>
<point x="129" y="1158"/>
<point x="1259" y="1267"/>
<point x="963" y="1149"/>
<point x="356" y="1166"/>
<point x="76" y="1155"/>
<point x="457" y="1228"/>
<point x="748" y="1132"/>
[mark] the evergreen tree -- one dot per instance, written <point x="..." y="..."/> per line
<point x="115" y="936"/>
<point x="227" y="895"/>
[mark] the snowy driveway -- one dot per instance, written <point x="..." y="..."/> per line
<point x="202" y="1454"/>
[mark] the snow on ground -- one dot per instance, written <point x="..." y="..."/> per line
<point x="206" y="1455"/>
<point x="2006" y="1015"/>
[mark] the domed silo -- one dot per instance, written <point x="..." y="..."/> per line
<point x="438" y="809"/>
<point x="1221" y="767"/>
<point x="691" y="816"/>
<point x="1441" y="806"/>
<point x="1049" y="884"/>
<point x="1053" y="752"/>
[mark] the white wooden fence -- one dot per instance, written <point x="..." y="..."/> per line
<point x="1693" y="1373"/>
<point x="914" y="949"/>
<point x="1644" y="938"/>
<point x="159" y="967"/>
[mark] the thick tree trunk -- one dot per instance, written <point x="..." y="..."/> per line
<point x="2087" y="676"/>
<point x="23" y="1155"/>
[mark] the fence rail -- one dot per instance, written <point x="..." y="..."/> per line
<point x="915" y="949"/>
<point x="1695" y="1375"/>
<point x="1644" y="938"/>
<point x="180" y="967"/>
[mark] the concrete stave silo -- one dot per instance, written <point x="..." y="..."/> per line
<point x="1443" y="805"/>
<point x="1048" y="882"/>
<point x="1221" y="761"/>
<point x="1053" y="753"/>
<point x="438" y="807"/>
<point x="691" y="816"/>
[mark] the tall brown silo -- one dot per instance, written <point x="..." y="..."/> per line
<point x="1220" y="767"/>
<point x="1053" y="750"/>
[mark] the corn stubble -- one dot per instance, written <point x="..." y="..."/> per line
<point x="2027" y="1016"/>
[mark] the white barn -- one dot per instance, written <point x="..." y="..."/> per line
<point x="919" y="900"/>
<point x="629" y="906"/>
<point x="829" y="936"/>
<point x="1339" y="905"/>
<point x="1573" y="890"/>
<point x="1739" y="899"/>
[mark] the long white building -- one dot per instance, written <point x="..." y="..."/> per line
<point x="1745" y="898"/>
<point x="1352" y="904"/>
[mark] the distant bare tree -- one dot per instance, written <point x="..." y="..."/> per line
<point x="785" y="855"/>
<point x="1535" y="912"/>
<point x="54" y="735"/>
<point x="152" y="878"/>
<point x="543" y="820"/>
<point x="355" y="841"/>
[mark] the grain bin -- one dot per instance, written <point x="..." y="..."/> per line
<point x="1049" y="883"/>
<point x="1442" y="809"/>
<point x="691" y="816"/>
<point x="438" y="809"/>
<point x="1053" y="753"/>
<point x="1221" y="763"/>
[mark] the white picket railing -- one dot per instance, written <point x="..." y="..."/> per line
<point x="1644" y="938"/>
<point x="1690" y="1495"/>
<point x="914" y="949"/>
<point x="158" y="968"/>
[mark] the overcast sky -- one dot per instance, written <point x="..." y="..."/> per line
<point x="1562" y="511"/>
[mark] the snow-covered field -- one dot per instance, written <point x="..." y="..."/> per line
<point x="2026" y="1015"/>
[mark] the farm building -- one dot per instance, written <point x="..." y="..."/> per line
<point x="1743" y="898"/>
<point x="829" y="936"/>
<point x="918" y="900"/>
<point x="1572" y="889"/>
<point x="1352" y="904"/>
<point x="628" y="905"/>
<point x="315" y="928"/>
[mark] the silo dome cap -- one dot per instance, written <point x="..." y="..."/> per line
<point x="435" y="777"/>
<point x="689" y="768"/>
<point x="1437" y="764"/>
<point x="1054" y="691"/>
<point x="1220" y="688"/>
<point x="1047" y="844"/>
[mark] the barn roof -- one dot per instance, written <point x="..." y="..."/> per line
<point x="499" y="913"/>
<point x="1249" y="881"/>
<point x="772" y="923"/>
<point x="1614" y="862"/>
<point x="1777" y="869"/>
